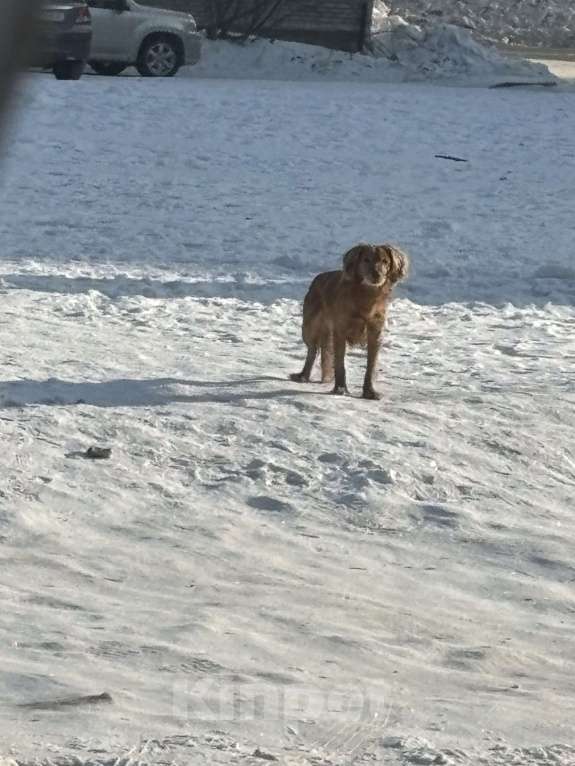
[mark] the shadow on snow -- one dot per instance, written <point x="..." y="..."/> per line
<point x="152" y="392"/>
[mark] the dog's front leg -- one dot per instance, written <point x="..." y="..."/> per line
<point x="339" y="343"/>
<point x="373" y="338"/>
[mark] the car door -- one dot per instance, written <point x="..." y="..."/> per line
<point x="113" y="25"/>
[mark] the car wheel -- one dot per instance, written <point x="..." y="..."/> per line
<point x="160" y="57"/>
<point x="68" y="70"/>
<point x="109" y="68"/>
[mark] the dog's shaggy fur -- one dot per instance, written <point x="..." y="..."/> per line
<point x="349" y="307"/>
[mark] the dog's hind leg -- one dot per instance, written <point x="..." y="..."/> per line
<point x="327" y="369"/>
<point x="339" y="344"/>
<point x="305" y="374"/>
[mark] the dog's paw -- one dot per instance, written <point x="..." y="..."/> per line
<point x="340" y="391"/>
<point x="371" y="393"/>
<point x="298" y="377"/>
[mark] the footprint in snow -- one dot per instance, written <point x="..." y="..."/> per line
<point x="465" y="658"/>
<point x="439" y="516"/>
<point x="329" y="457"/>
<point x="260" y="469"/>
<point x="270" y="504"/>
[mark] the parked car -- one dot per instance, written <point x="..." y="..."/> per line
<point x="156" y="41"/>
<point x="65" y="34"/>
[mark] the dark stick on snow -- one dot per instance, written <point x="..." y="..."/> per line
<point x="449" y="157"/>
<point x="550" y="84"/>
<point x="65" y="702"/>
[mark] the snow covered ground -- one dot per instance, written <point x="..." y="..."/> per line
<point x="549" y="23"/>
<point x="261" y="570"/>
<point x="401" y="52"/>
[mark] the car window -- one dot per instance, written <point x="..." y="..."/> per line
<point x="102" y="4"/>
<point x="169" y="5"/>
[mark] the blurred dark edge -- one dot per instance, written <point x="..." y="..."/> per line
<point x="18" y="20"/>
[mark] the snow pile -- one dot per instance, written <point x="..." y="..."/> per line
<point x="444" y="51"/>
<point x="399" y="52"/>
<point x="549" y="23"/>
<point x="380" y="12"/>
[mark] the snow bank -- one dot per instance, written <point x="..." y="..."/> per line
<point x="446" y="51"/>
<point x="399" y="52"/>
<point x="550" y="23"/>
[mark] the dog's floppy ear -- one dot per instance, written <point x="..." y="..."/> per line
<point x="350" y="260"/>
<point x="398" y="263"/>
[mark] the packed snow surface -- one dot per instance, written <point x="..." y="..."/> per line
<point x="262" y="570"/>
<point x="549" y="23"/>
<point x="399" y="52"/>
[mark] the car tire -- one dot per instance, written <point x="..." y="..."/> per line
<point x="68" y="70"/>
<point x="160" y="56"/>
<point x="108" y="68"/>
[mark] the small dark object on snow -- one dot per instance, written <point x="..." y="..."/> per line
<point x="449" y="157"/>
<point x="264" y="756"/>
<point x="98" y="453"/>
<point x="524" y="84"/>
<point x="89" y="699"/>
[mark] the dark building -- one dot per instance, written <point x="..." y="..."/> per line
<point x="340" y="24"/>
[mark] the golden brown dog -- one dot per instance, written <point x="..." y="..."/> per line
<point x="349" y="307"/>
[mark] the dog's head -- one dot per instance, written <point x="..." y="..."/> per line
<point x="375" y="265"/>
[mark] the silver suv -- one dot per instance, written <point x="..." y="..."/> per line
<point x="156" y="41"/>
